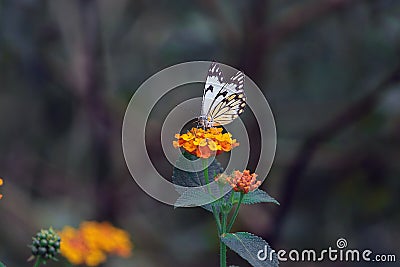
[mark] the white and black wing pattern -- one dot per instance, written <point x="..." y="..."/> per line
<point x="214" y="83"/>
<point x="233" y="102"/>
<point x="222" y="101"/>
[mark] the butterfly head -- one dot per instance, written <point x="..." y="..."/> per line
<point x="205" y="122"/>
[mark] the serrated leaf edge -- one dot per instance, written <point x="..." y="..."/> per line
<point x="235" y="235"/>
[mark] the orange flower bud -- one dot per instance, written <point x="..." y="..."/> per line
<point x="244" y="181"/>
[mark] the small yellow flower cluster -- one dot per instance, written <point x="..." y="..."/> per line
<point x="91" y="243"/>
<point x="205" y="143"/>
<point x="1" y="183"/>
<point x="243" y="182"/>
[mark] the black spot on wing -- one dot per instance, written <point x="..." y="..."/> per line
<point x="215" y="71"/>
<point x="221" y="93"/>
<point x="237" y="81"/>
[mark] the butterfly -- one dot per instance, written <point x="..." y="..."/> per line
<point x="222" y="101"/>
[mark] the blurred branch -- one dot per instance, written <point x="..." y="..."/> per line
<point x="260" y="40"/>
<point x="100" y="121"/>
<point x="338" y="123"/>
<point x="81" y="36"/>
<point x="255" y="45"/>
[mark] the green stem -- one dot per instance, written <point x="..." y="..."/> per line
<point x="205" y="167"/>
<point x="217" y="220"/>
<point x="216" y="215"/>
<point x="38" y="261"/>
<point x="221" y="225"/>
<point x="235" y="214"/>
<point x="222" y="246"/>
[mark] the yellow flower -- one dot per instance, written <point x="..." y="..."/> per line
<point x="189" y="147"/>
<point x="1" y="183"/>
<point x="204" y="143"/>
<point x="95" y="257"/>
<point x="212" y="145"/>
<point x="73" y="246"/>
<point x="187" y="137"/>
<point x="91" y="243"/>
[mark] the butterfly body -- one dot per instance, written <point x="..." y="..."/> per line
<point x="222" y="101"/>
<point x="206" y="122"/>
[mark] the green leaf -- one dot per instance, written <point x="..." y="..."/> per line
<point x="251" y="248"/>
<point x="188" y="173"/>
<point x="256" y="196"/>
<point x="2" y="264"/>
<point x="192" y="198"/>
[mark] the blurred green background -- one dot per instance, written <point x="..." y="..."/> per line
<point x="329" y="69"/>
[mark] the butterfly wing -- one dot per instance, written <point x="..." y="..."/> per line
<point x="230" y="101"/>
<point x="214" y="84"/>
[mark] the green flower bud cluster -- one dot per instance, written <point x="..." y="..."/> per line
<point x="46" y="244"/>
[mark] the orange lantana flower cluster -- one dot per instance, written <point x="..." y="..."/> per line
<point x="91" y="243"/>
<point x="243" y="182"/>
<point x="1" y="183"/>
<point x="204" y="143"/>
